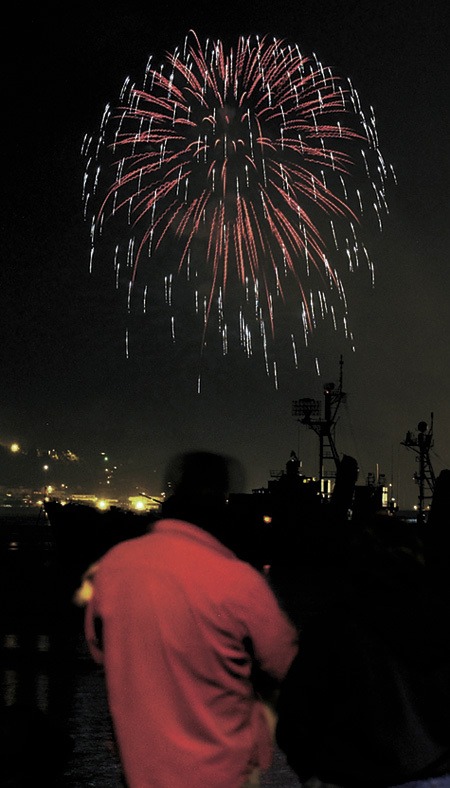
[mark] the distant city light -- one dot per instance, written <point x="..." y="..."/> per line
<point x="15" y="448"/>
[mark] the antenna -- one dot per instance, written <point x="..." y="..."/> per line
<point x="308" y="412"/>
<point x="421" y="443"/>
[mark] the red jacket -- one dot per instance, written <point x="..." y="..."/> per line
<point x="180" y="616"/>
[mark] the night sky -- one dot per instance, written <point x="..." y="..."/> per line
<point x="66" y="383"/>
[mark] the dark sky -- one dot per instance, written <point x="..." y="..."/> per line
<point x="65" y="380"/>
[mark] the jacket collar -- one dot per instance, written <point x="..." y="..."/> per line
<point x="193" y="532"/>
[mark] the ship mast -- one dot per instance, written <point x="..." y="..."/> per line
<point x="308" y="412"/>
<point x="421" y="444"/>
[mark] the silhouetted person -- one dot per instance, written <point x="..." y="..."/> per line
<point x="181" y="625"/>
<point x="366" y="703"/>
<point x="436" y="531"/>
<point x="344" y="488"/>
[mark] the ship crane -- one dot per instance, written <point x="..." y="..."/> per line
<point x="420" y="444"/>
<point x="308" y="411"/>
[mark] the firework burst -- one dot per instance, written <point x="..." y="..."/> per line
<point x="243" y="173"/>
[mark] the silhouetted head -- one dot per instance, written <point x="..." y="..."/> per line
<point x="198" y="484"/>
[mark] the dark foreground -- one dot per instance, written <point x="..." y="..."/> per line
<point x="55" y="723"/>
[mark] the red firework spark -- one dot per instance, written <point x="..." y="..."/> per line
<point x="240" y="155"/>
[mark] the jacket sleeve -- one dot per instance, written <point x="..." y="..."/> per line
<point x="273" y="636"/>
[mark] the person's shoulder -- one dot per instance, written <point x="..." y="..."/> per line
<point x="248" y="579"/>
<point x="125" y="548"/>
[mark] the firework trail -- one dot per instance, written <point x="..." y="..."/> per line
<point x="243" y="173"/>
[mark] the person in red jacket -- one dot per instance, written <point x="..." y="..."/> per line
<point x="180" y="625"/>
